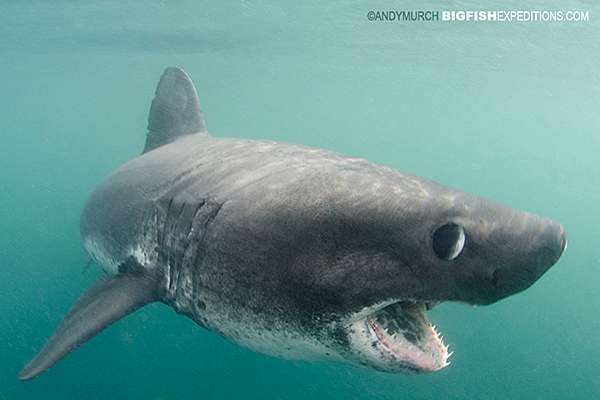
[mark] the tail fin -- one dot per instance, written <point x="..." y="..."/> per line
<point x="107" y="301"/>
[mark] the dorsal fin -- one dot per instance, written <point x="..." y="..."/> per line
<point x="175" y="110"/>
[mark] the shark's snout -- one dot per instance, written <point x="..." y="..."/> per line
<point x="562" y="240"/>
<point x="547" y="247"/>
<point x="539" y="252"/>
<point x="555" y="242"/>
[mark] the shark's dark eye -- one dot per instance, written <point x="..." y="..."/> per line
<point x="448" y="241"/>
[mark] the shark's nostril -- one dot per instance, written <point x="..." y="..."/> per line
<point x="495" y="277"/>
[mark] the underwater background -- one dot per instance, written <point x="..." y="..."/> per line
<point x="510" y="111"/>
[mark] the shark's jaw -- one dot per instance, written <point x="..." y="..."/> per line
<point x="396" y="336"/>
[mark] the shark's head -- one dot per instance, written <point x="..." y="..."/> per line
<point x="451" y="246"/>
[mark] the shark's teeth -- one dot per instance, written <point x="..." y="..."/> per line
<point x="428" y="353"/>
<point x="444" y="348"/>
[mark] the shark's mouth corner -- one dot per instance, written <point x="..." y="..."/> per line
<point x="397" y="337"/>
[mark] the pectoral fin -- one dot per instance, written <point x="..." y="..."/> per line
<point x="107" y="301"/>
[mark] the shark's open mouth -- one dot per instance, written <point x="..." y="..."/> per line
<point x="399" y="337"/>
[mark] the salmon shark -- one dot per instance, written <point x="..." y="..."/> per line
<point x="292" y="251"/>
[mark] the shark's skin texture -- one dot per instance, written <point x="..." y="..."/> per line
<point x="303" y="253"/>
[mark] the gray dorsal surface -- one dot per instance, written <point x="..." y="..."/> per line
<point x="175" y="110"/>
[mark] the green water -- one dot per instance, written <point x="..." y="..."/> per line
<point x="509" y="111"/>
